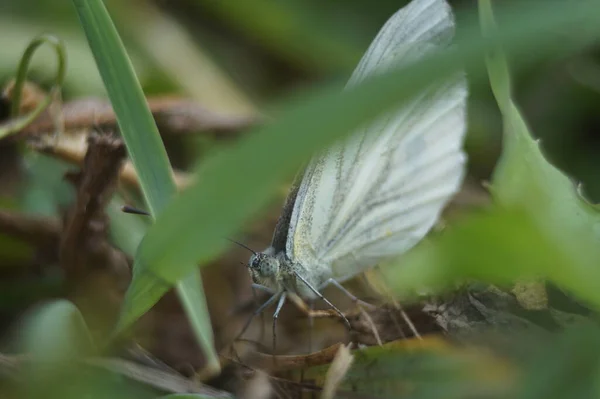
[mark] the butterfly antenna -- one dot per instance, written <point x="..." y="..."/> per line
<point x="242" y="245"/>
<point x="133" y="210"/>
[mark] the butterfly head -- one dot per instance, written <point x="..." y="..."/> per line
<point x="263" y="265"/>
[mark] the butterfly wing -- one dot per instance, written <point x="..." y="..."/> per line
<point x="282" y="228"/>
<point x="379" y="192"/>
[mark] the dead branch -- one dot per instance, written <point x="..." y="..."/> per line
<point x="281" y="363"/>
<point x="84" y="244"/>
<point x="173" y="116"/>
<point x="71" y="147"/>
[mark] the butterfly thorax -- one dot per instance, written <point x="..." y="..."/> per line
<point x="279" y="273"/>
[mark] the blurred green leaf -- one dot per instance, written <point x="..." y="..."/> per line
<point x="56" y="333"/>
<point x="186" y="396"/>
<point x="128" y="231"/>
<point x="523" y="176"/>
<point x="565" y="366"/>
<point x="525" y="179"/>
<point x="423" y="369"/>
<point x="496" y="246"/>
<point x="521" y="366"/>
<point x="144" y="146"/>
<point x="55" y="338"/>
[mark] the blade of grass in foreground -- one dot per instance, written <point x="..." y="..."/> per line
<point x="236" y="183"/>
<point x="145" y="149"/>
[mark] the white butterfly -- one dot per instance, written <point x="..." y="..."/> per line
<point x="376" y="194"/>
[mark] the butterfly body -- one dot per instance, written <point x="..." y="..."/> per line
<point x="276" y="272"/>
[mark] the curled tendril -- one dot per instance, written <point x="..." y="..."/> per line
<point x="17" y="123"/>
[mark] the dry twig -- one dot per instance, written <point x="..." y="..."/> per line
<point x="84" y="244"/>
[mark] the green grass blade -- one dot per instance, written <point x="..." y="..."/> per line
<point x="234" y="185"/>
<point x="128" y="233"/>
<point x="144" y="146"/>
<point x="133" y="115"/>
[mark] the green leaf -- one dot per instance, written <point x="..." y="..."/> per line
<point x="566" y="366"/>
<point x="56" y="339"/>
<point x="234" y="184"/>
<point x="525" y="179"/>
<point x="519" y="366"/>
<point x="145" y="148"/>
<point x="426" y="369"/>
<point x="496" y="246"/>
<point x="56" y="332"/>
<point x="128" y="234"/>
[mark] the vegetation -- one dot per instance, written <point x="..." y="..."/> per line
<point x="502" y="298"/>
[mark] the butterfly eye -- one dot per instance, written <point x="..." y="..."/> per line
<point x="255" y="262"/>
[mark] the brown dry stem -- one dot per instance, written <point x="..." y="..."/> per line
<point x="84" y="242"/>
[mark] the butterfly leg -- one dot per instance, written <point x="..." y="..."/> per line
<point x="256" y="287"/>
<point x="331" y="305"/>
<point x="262" y="288"/>
<point x="259" y="311"/>
<point x="359" y="304"/>
<point x="352" y="297"/>
<point x="275" y="317"/>
<point x="268" y="290"/>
